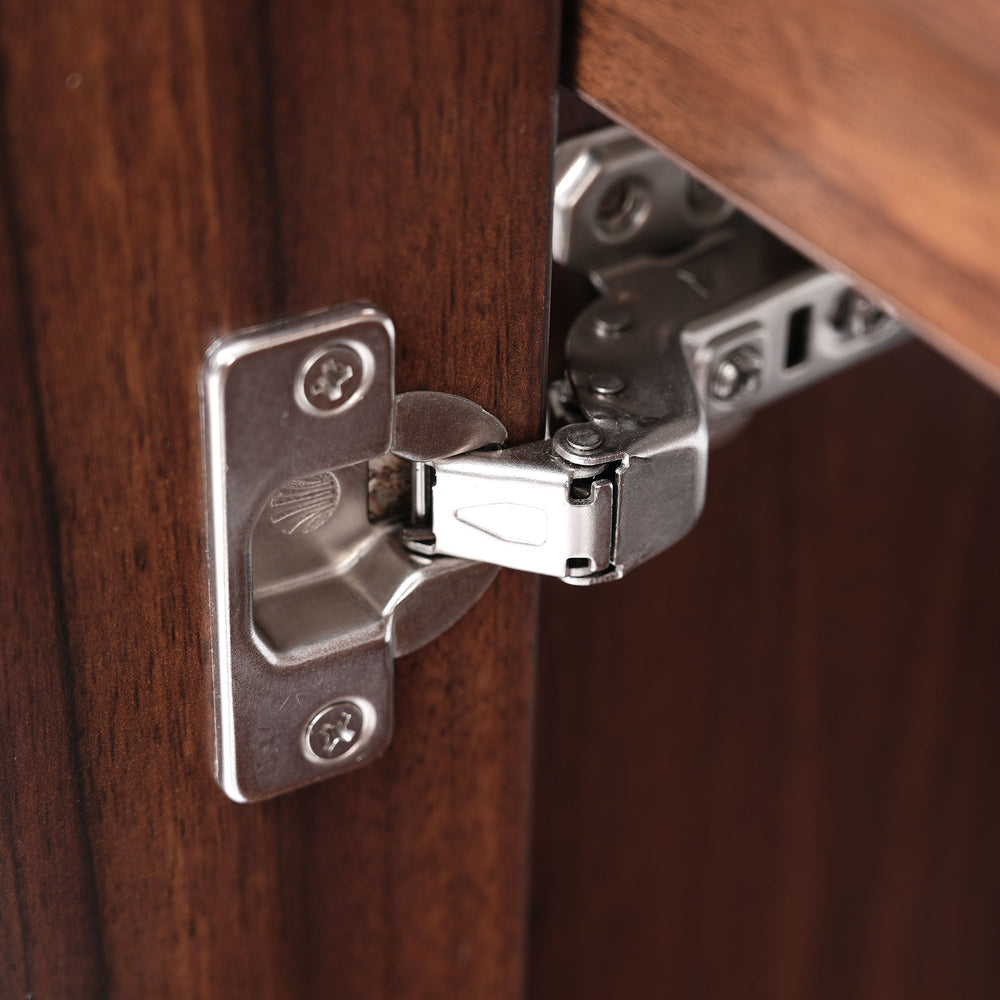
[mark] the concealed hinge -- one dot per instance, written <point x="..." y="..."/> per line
<point x="348" y="525"/>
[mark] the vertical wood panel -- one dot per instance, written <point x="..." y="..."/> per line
<point x="181" y="170"/>
<point x="40" y="777"/>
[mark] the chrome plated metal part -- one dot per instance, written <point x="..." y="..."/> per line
<point x="791" y="326"/>
<point x="737" y="374"/>
<point x="311" y="598"/>
<point x="524" y="508"/>
<point x="616" y="197"/>
<point x="703" y="316"/>
<point x="433" y="425"/>
<point x="858" y="318"/>
<point x="334" y="731"/>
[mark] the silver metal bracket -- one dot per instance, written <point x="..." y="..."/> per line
<point x="312" y="591"/>
<point x="701" y="317"/>
<point x="348" y="525"/>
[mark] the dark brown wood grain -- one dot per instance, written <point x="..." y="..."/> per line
<point x="169" y="172"/>
<point x="868" y="130"/>
<point x="767" y="761"/>
<point x="48" y="933"/>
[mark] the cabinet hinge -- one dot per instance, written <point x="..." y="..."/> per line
<point x="348" y="524"/>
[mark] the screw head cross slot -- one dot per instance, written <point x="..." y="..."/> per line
<point x="334" y="731"/>
<point x="329" y="379"/>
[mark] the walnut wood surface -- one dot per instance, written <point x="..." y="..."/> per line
<point x="170" y="172"/>
<point x="868" y="129"/>
<point x="767" y="761"/>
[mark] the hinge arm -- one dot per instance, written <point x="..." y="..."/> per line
<point x="678" y="348"/>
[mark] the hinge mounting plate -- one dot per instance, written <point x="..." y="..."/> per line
<point x="312" y="591"/>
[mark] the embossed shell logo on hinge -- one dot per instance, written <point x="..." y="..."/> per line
<point x="305" y="505"/>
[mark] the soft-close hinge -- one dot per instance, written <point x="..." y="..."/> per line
<point x="348" y="525"/>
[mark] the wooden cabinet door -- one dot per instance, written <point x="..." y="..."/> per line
<point x="169" y="172"/>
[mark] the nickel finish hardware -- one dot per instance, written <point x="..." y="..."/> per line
<point x="349" y="525"/>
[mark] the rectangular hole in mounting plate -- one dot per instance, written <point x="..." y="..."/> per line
<point x="797" y="344"/>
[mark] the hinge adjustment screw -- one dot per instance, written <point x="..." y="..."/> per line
<point x="858" y="317"/>
<point x="738" y="374"/>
